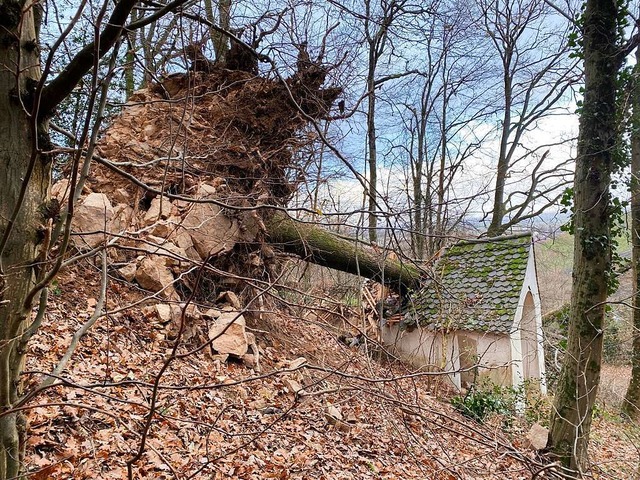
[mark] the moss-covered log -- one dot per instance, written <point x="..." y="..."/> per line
<point x="317" y="245"/>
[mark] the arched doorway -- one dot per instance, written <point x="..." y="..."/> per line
<point x="529" y="339"/>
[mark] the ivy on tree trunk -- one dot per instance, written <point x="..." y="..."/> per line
<point x="580" y="376"/>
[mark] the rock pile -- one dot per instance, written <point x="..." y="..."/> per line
<point x="177" y="186"/>
<point x="225" y="327"/>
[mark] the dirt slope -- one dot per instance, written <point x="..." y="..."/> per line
<point x="226" y="420"/>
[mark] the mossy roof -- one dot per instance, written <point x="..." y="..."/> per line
<point x="476" y="285"/>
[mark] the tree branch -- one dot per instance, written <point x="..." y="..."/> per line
<point x="61" y="86"/>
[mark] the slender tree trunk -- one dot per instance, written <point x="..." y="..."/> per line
<point x="418" y="233"/>
<point x="580" y="376"/>
<point x="372" y="151"/>
<point x="130" y="58"/>
<point x="441" y="209"/>
<point x="129" y="78"/>
<point x="24" y="180"/>
<point x="220" y="41"/>
<point x="631" y="403"/>
<point x="495" y="227"/>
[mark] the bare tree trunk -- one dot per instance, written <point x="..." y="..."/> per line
<point x="130" y="59"/>
<point x="419" y="195"/>
<point x="631" y="405"/>
<point x="24" y="178"/>
<point x="377" y="35"/>
<point x="536" y="73"/>
<point x="441" y="208"/>
<point x="371" y="148"/>
<point x="24" y="183"/>
<point x="220" y="41"/>
<point x="580" y="376"/>
<point x="495" y="227"/>
<point x="317" y="245"/>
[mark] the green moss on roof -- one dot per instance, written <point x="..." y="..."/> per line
<point x="475" y="286"/>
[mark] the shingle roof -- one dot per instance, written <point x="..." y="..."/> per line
<point x="476" y="286"/>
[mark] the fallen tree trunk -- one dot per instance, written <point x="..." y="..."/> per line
<point x="317" y="245"/>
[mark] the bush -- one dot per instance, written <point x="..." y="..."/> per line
<point x="479" y="403"/>
<point x="488" y="399"/>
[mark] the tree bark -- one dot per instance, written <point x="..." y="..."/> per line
<point x="24" y="180"/>
<point x="221" y="42"/>
<point x="580" y="376"/>
<point x="631" y="405"/>
<point x="495" y="227"/>
<point x="372" y="149"/>
<point x="316" y="245"/>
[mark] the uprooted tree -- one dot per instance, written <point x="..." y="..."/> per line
<point x="216" y="190"/>
<point x="211" y="146"/>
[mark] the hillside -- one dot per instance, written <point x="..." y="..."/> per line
<point x="215" y="419"/>
<point x="202" y="362"/>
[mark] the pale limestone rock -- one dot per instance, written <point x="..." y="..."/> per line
<point x="250" y="360"/>
<point x="94" y="213"/>
<point x="206" y="191"/>
<point x="191" y="312"/>
<point x="334" y="417"/>
<point x="333" y="414"/>
<point x="234" y="339"/>
<point x="191" y="317"/>
<point x="298" y="362"/>
<point x="251" y="340"/>
<point x="292" y="385"/>
<point x="163" y="311"/>
<point x="121" y="195"/>
<point x="254" y="360"/>
<point x="123" y="217"/>
<point x="182" y="239"/>
<point x="161" y="208"/>
<point x="168" y="229"/>
<point x="212" y="314"/>
<point x="171" y="253"/>
<point x="153" y="275"/>
<point x="162" y="229"/>
<point x="211" y="231"/>
<point x="128" y="272"/>
<point x="537" y="437"/>
<point x="149" y="130"/>
<point x="229" y="297"/>
<point x="176" y="313"/>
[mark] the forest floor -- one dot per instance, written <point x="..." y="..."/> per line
<point x="215" y="420"/>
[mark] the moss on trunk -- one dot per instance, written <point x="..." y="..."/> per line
<point x="580" y="376"/>
<point x="319" y="246"/>
<point x="25" y="179"/>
